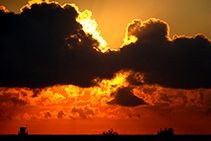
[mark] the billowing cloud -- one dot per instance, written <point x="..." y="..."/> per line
<point x="84" y="112"/>
<point x="61" y="114"/>
<point x="181" y="62"/>
<point x="48" y="44"/>
<point x="11" y="98"/>
<point x="4" y="9"/>
<point x="156" y="95"/>
<point x="45" y="45"/>
<point x="147" y="31"/>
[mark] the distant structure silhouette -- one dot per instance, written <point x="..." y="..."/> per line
<point x="166" y="131"/>
<point x="110" y="132"/>
<point x="22" y="131"/>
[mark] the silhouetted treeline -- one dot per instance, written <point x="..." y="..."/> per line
<point x="169" y="131"/>
<point x="110" y="132"/>
<point x="166" y="131"/>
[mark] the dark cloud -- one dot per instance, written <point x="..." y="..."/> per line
<point x="150" y="30"/>
<point x="125" y="97"/>
<point x="45" y="46"/>
<point x="135" y="79"/>
<point x="134" y="115"/>
<point x="11" y="100"/>
<point x="183" y="62"/>
<point x="61" y="114"/>
<point x="84" y="112"/>
<point x="36" y="92"/>
<point x="47" y="114"/>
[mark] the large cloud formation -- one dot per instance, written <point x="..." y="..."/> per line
<point x="44" y="45"/>
<point x="181" y="62"/>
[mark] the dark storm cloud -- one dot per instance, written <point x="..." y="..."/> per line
<point x="125" y="97"/>
<point x="45" y="46"/>
<point x="183" y="62"/>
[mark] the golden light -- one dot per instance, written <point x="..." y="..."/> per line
<point x="130" y="29"/>
<point x="90" y="26"/>
<point x="102" y="93"/>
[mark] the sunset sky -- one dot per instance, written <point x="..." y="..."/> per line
<point x="85" y="66"/>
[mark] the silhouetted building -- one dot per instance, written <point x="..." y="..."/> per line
<point x="22" y="131"/>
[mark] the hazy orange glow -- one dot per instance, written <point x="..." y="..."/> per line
<point x="61" y="94"/>
<point x="65" y="102"/>
<point x="63" y="105"/>
<point x="70" y="109"/>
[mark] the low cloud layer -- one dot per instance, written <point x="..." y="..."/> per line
<point x="44" y="45"/>
<point x="76" y="103"/>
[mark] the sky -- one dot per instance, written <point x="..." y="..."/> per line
<point x="83" y="67"/>
<point x="187" y="17"/>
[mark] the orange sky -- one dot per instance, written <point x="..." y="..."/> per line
<point x="74" y="110"/>
<point x="184" y="17"/>
<point x="70" y="109"/>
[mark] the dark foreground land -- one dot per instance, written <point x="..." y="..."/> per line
<point x="102" y="134"/>
<point x="165" y="132"/>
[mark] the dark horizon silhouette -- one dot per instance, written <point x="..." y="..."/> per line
<point x="165" y="132"/>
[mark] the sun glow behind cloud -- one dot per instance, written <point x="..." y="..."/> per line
<point x="90" y="26"/>
<point x="130" y="29"/>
